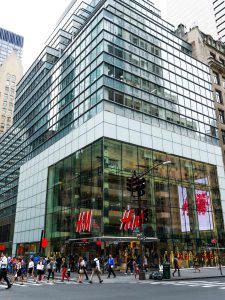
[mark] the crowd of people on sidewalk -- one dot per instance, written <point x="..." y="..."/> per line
<point x="38" y="268"/>
<point x="20" y="269"/>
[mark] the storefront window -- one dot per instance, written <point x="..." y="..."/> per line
<point x="88" y="198"/>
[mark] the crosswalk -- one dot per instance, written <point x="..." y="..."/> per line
<point x="31" y="283"/>
<point x="189" y="283"/>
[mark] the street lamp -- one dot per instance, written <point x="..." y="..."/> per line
<point x="137" y="184"/>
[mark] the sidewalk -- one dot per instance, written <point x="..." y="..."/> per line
<point x="186" y="274"/>
<point x="205" y="272"/>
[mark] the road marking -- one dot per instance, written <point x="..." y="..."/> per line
<point x="20" y="285"/>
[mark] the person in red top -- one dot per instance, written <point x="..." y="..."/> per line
<point x="64" y="270"/>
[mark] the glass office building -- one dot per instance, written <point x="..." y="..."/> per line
<point x="122" y="85"/>
<point x="10" y="42"/>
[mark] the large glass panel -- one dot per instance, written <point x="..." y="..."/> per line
<point x="180" y="201"/>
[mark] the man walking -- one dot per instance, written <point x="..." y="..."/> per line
<point x="95" y="266"/>
<point x="111" y="266"/>
<point x="3" y="270"/>
<point x="176" y="265"/>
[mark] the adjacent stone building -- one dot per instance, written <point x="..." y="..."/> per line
<point x="212" y="52"/>
<point x="11" y="71"/>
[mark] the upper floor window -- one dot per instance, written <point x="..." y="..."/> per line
<point x="218" y="96"/>
<point x="215" y="78"/>
<point x="221" y="61"/>
<point x="223" y="136"/>
<point x="213" y="55"/>
<point x="221" y="116"/>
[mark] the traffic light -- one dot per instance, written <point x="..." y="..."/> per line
<point x="141" y="186"/>
<point x="130" y="184"/>
<point x="146" y="216"/>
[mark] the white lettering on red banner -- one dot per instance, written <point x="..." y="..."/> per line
<point x="130" y="220"/>
<point x="84" y="221"/>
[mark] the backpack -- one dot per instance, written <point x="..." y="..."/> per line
<point x="175" y="261"/>
<point x="93" y="264"/>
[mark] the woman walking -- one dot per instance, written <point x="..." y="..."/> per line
<point x="81" y="266"/>
<point x="196" y="264"/>
<point x="40" y="271"/>
<point x="136" y="268"/>
<point x="30" y="272"/>
<point x="51" y="267"/>
<point x="64" y="270"/>
<point x="19" y="273"/>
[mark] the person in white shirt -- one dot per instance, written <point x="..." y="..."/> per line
<point x="30" y="272"/>
<point x="3" y="270"/>
<point x="95" y="265"/>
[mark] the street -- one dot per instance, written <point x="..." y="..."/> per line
<point x="119" y="288"/>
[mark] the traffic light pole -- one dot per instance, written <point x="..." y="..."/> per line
<point x="136" y="183"/>
<point x="141" y="272"/>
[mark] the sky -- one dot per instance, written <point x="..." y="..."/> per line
<point x="35" y="21"/>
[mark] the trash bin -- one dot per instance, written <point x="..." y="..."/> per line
<point x="166" y="271"/>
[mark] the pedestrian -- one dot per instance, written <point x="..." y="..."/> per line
<point x="176" y="265"/>
<point x="95" y="266"/>
<point x="136" y="268"/>
<point x="3" y="270"/>
<point x="81" y="265"/>
<point x="85" y="268"/>
<point x="111" y="265"/>
<point x="58" y="264"/>
<point x="64" y="269"/>
<point x="40" y="271"/>
<point x="24" y="268"/>
<point x="129" y="265"/>
<point x="196" y="264"/>
<point x="19" y="273"/>
<point x="51" y="267"/>
<point x="30" y="272"/>
<point x="145" y="264"/>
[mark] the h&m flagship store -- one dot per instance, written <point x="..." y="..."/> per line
<point x="89" y="210"/>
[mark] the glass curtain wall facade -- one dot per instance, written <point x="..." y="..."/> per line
<point x="10" y="42"/>
<point x="124" y="59"/>
<point x="182" y="199"/>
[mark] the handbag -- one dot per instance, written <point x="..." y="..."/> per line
<point x="81" y="271"/>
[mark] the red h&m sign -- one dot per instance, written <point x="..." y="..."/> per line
<point x="130" y="220"/>
<point x="84" y="221"/>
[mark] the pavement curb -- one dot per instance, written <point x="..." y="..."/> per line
<point x="193" y="278"/>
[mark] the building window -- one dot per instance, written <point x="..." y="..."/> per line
<point x="218" y="96"/>
<point x="213" y="55"/>
<point x="221" y="61"/>
<point x="223" y="136"/>
<point x="215" y="78"/>
<point x="223" y="82"/>
<point x="221" y="116"/>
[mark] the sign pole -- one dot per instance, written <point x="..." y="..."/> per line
<point x="40" y="246"/>
<point x="141" y="273"/>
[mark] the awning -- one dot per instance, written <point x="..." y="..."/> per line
<point x="120" y="239"/>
